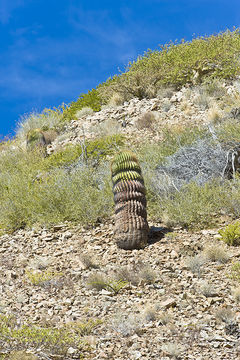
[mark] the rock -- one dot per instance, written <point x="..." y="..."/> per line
<point x="168" y="303"/>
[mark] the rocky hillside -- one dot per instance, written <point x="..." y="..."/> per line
<point x="68" y="292"/>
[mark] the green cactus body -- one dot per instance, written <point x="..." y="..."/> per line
<point x="131" y="227"/>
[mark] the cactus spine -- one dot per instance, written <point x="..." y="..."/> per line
<point x="131" y="227"/>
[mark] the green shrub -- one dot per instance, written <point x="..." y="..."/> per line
<point x="37" y="278"/>
<point x="235" y="272"/>
<point x="228" y="132"/>
<point x="56" y="340"/>
<point x="231" y="234"/>
<point x="30" y="195"/>
<point x="91" y="100"/>
<point x="193" y="206"/>
<point x="214" y="56"/>
<point x="91" y="149"/>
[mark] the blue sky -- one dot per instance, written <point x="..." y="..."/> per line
<point x="53" y="50"/>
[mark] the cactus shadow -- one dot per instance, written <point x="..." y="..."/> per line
<point x="156" y="233"/>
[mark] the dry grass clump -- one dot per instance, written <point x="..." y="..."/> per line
<point x="116" y="100"/>
<point x="84" y="112"/>
<point x="196" y="263"/>
<point x="202" y="100"/>
<point x="88" y="261"/>
<point x="139" y="274"/>
<point x="150" y="314"/>
<point x="107" y="128"/>
<point x="128" y="274"/>
<point x="215" y="113"/>
<point x="164" y="317"/>
<point x="173" y="350"/>
<point x="207" y="289"/>
<point x="165" y="92"/>
<point x="146" y="121"/>
<point x="236" y="294"/>
<point x="48" y="119"/>
<point x="127" y="325"/>
<point x="96" y="281"/>
<point x="146" y="274"/>
<point x="216" y="253"/>
<point x="225" y="314"/>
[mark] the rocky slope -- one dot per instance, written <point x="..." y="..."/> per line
<point x="177" y="301"/>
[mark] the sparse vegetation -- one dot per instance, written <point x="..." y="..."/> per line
<point x="40" y="277"/>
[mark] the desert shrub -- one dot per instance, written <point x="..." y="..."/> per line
<point x="91" y="149"/>
<point x="54" y="340"/>
<point x="151" y="155"/>
<point x="231" y="234"/>
<point x="82" y="195"/>
<point x="228" y="132"/>
<point x="199" y="162"/>
<point x="40" y="277"/>
<point x="194" y="205"/>
<point x="91" y="99"/>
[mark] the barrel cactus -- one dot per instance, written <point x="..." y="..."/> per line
<point x="131" y="227"/>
